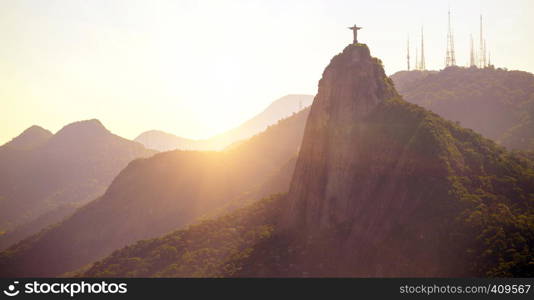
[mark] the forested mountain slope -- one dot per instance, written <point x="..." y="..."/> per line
<point x="381" y="188"/>
<point x="156" y="195"/>
<point x="44" y="177"/>
<point x="497" y="103"/>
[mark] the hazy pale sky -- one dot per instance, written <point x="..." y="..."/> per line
<point x="196" y="68"/>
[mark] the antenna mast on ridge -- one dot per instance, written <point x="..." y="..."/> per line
<point x="472" y="57"/>
<point x="408" y="53"/>
<point x="416" y="58"/>
<point x="422" y="62"/>
<point x="450" y="57"/>
<point x="482" y="50"/>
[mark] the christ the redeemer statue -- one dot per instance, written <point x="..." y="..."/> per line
<point x="355" y="32"/>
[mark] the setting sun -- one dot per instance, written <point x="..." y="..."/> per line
<point x="145" y="144"/>
<point x="197" y="68"/>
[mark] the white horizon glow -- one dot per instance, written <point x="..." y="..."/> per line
<point x="197" y="68"/>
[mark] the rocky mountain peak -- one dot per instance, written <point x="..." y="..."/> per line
<point x="352" y="86"/>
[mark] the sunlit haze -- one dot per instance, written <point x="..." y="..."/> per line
<point x="197" y="68"/>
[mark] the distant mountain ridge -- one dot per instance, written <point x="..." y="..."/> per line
<point x="28" y="139"/>
<point x="497" y="103"/>
<point x="45" y="176"/>
<point x="279" y="109"/>
<point x="163" y="141"/>
<point x="155" y="195"/>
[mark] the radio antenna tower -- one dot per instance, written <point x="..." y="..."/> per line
<point x="450" y="57"/>
<point x="422" y="62"/>
<point x="408" y="53"/>
<point x="472" y="58"/>
<point x="416" y="58"/>
<point x="482" y="51"/>
<point x="485" y="54"/>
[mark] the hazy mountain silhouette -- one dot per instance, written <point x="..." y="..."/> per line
<point x="381" y="187"/>
<point x="44" y="177"/>
<point x="28" y="139"/>
<point x="497" y="103"/>
<point x="155" y="195"/>
<point x="279" y="109"/>
<point x="163" y="141"/>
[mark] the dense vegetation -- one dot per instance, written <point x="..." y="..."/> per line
<point x="209" y="248"/>
<point x="483" y="203"/>
<point x="491" y="195"/>
<point x="427" y="196"/>
<point x="154" y="196"/>
<point x="497" y="103"/>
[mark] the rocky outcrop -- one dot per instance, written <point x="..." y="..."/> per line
<point x="323" y="188"/>
<point x="381" y="188"/>
<point x="372" y="193"/>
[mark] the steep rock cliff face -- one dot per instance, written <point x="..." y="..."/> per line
<point x="381" y="187"/>
<point x="375" y="190"/>
<point x="351" y="88"/>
